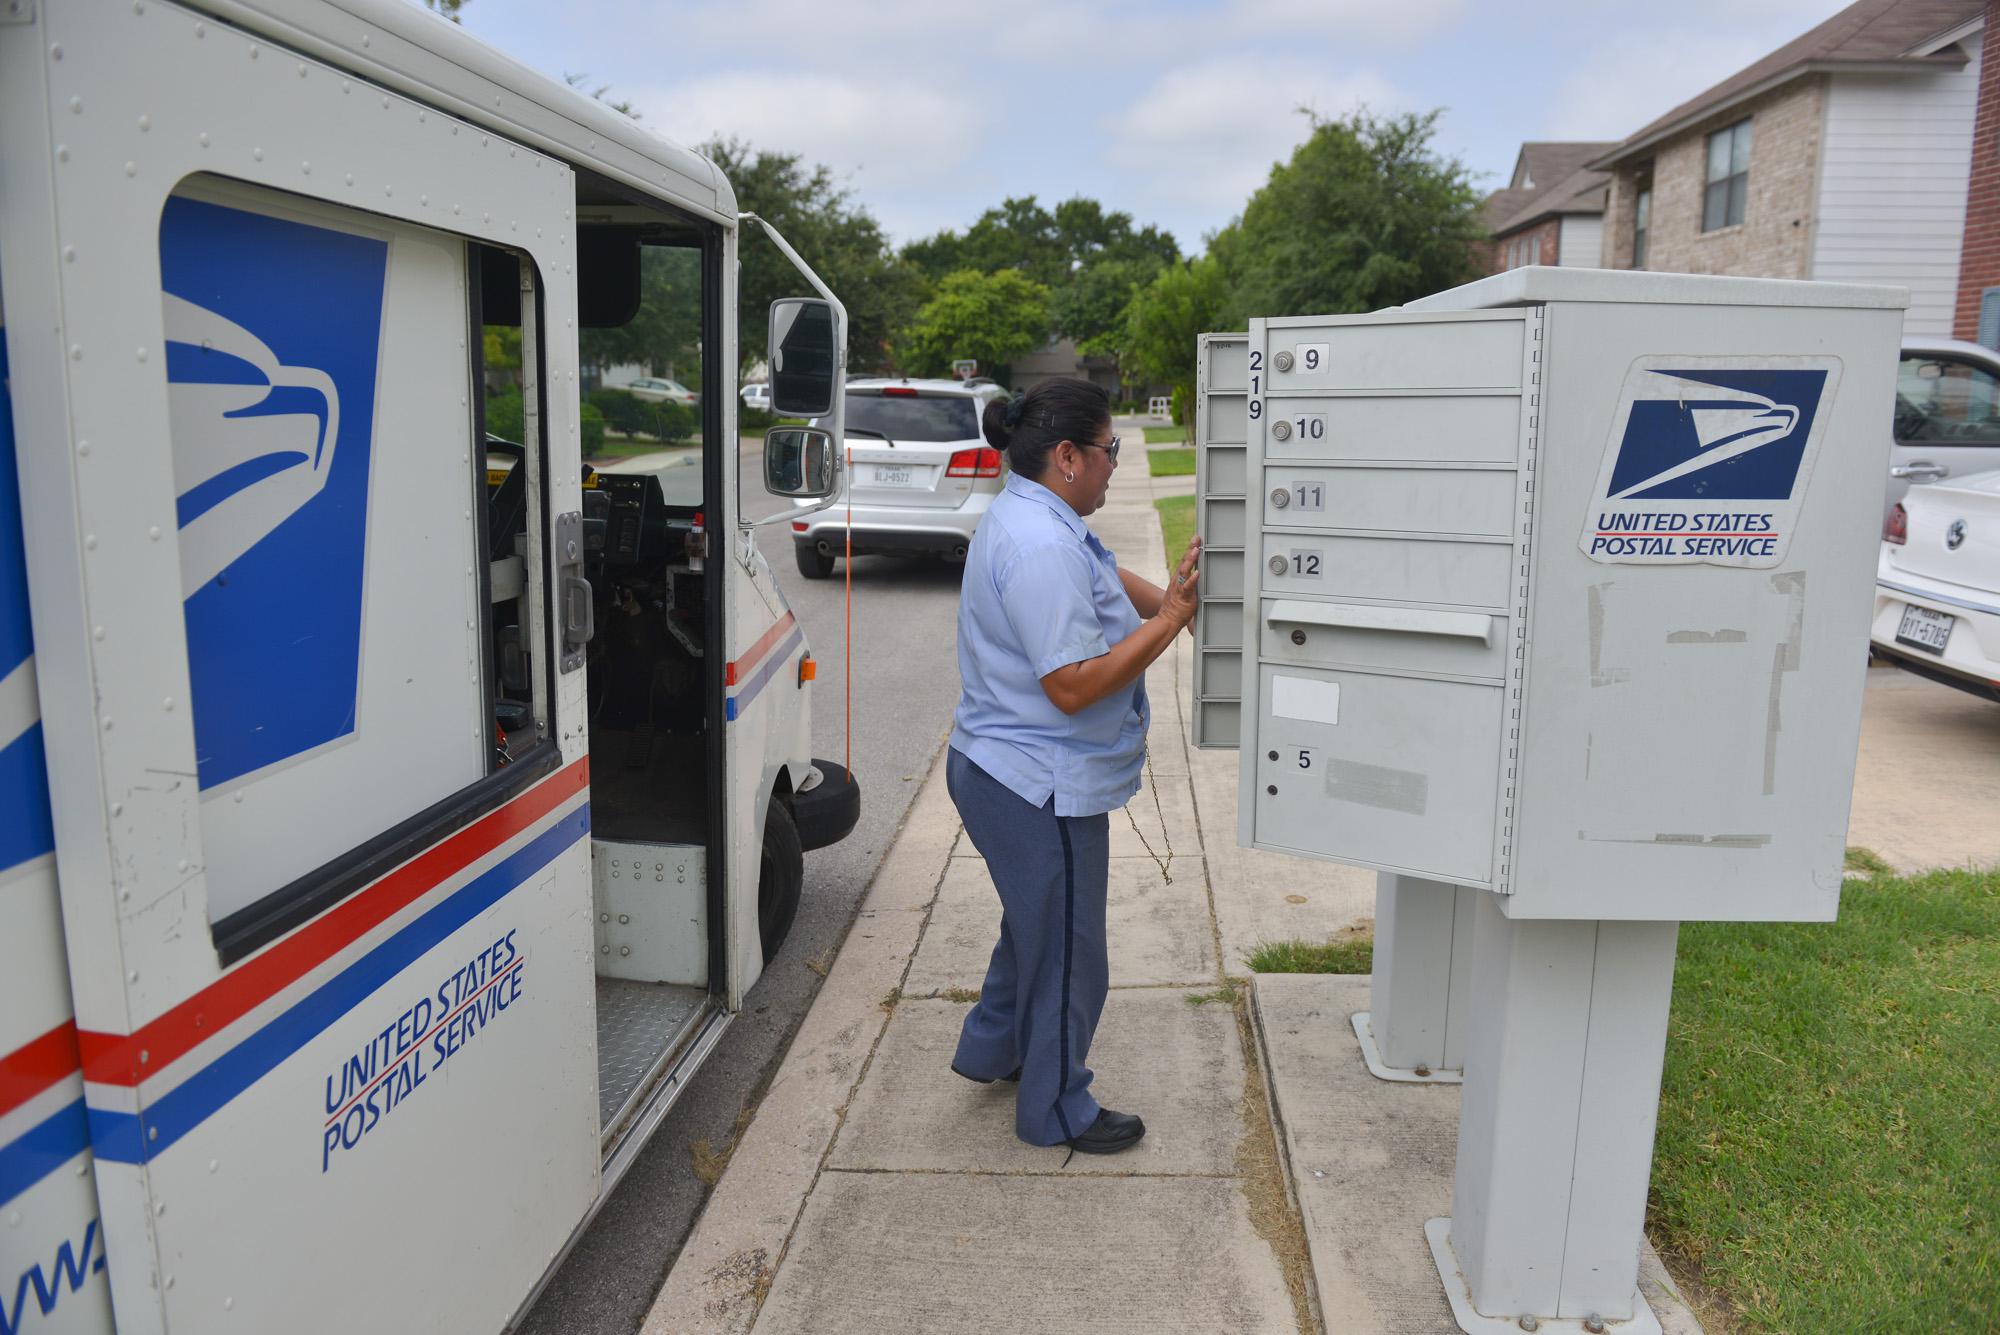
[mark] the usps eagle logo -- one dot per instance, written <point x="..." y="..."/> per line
<point x="1709" y="458"/>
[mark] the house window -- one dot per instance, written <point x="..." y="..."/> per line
<point x="1536" y="253"/>
<point x="1728" y="177"/>
<point x="1642" y="222"/>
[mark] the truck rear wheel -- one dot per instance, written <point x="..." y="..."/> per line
<point x="781" y="875"/>
<point x="811" y="564"/>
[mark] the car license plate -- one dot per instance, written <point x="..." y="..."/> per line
<point x="892" y="477"/>
<point x="1924" y="629"/>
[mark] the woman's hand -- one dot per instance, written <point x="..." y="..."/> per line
<point x="1178" y="607"/>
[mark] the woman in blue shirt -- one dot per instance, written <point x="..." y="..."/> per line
<point x="1053" y="644"/>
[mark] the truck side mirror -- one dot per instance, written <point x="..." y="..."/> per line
<point x="800" y="462"/>
<point x="805" y="362"/>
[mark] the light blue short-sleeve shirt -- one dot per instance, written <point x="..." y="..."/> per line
<point x="1041" y="592"/>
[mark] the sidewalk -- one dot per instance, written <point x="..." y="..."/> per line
<point x="876" y="1191"/>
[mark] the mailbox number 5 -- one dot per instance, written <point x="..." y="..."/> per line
<point x="1305" y="759"/>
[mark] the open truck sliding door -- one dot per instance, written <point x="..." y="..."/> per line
<point x="326" y="931"/>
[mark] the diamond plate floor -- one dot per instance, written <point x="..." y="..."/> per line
<point x="636" y="1022"/>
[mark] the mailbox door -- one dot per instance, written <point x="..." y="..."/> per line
<point x="1389" y="473"/>
<point x="1222" y="387"/>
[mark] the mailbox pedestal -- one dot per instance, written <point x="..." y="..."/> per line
<point x="1414" y="1029"/>
<point x="1555" y="1133"/>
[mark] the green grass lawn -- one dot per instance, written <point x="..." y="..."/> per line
<point x="1170" y="463"/>
<point x="1828" y="1154"/>
<point x="1166" y="435"/>
<point x="1176" y="524"/>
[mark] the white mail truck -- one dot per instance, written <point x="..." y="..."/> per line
<point x="393" y="810"/>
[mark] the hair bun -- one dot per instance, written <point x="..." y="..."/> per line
<point x="1011" y="417"/>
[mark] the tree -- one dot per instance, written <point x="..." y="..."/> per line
<point x="840" y="239"/>
<point x="991" y="318"/>
<point x="1165" y="318"/>
<point x="1364" y="215"/>
<point x="448" y="8"/>
<point x="1049" y="248"/>
<point x="1090" y="308"/>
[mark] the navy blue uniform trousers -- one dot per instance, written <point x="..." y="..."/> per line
<point x="1045" y="986"/>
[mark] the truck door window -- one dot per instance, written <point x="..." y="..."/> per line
<point x="645" y="409"/>
<point x="340" y="564"/>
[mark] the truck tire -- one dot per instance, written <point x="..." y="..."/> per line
<point x="781" y="875"/>
<point x="811" y="564"/>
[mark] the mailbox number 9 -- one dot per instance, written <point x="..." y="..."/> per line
<point x="1256" y="409"/>
<point x="1312" y="356"/>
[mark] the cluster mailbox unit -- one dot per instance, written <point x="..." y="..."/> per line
<point x="1547" y="597"/>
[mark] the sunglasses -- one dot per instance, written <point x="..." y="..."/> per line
<point x="1111" y="449"/>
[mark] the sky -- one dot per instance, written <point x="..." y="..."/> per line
<point x="1173" y="111"/>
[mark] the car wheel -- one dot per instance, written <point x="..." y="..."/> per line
<point x="811" y="563"/>
<point x="781" y="874"/>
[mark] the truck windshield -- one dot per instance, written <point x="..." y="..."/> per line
<point x="914" y="419"/>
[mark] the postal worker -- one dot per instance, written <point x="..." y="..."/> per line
<point x="1053" y="644"/>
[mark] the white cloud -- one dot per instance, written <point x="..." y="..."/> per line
<point x="887" y="138"/>
<point x="1205" y="136"/>
<point x="1401" y="22"/>
<point x="1640" y="74"/>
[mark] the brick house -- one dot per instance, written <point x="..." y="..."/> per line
<point x="1551" y="211"/>
<point x="1977" y="314"/>
<point x="1842" y="156"/>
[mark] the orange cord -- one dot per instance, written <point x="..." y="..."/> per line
<point x="848" y="648"/>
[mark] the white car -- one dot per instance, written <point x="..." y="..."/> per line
<point x="1947" y="413"/>
<point x="1937" y="584"/>
<point x="652" y="389"/>
<point x="921" y="479"/>
<point x="757" y="396"/>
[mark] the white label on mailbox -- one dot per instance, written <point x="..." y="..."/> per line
<point x="1708" y="460"/>
<point x="1301" y="698"/>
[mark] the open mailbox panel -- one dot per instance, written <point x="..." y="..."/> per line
<point x="1557" y="588"/>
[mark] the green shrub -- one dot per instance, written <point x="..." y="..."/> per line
<point x="1183" y="405"/>
<point x="592" y="422"/>
<point x="672" y="421"/>
<point x="623" y="411"/>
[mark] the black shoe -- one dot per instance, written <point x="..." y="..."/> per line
<point x="1014" y="1075"/>
<point x="1110" y="1133"/>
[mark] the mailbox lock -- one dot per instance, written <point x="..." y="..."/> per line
<point x="1273" y="755"/>
<point x="1282" y="360"/>
<point x="1281" y="497"/>
<point x="1277" y="565"/>
<point x="1298" y="637"/>
<point x="1281" y="429"/>
<point x="1272" y="789"/>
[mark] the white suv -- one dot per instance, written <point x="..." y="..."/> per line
<point x="922" y="474"/>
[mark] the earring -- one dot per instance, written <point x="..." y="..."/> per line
<point x="1069" y="477"/>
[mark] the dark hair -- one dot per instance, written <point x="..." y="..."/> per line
<point x="1029" y="425"/>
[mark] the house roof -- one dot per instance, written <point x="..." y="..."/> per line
<point x="1549" y="178"/>
<point x="1879" y="36"/>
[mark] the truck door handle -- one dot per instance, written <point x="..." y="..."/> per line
<point x="1923" y="470"/>
<point x="1408" y="620"/>
<point x="573" y="604"/>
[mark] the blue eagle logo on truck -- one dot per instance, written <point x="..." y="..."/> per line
<point x="274" y="332"/>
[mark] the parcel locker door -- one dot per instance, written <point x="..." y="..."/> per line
<point x="1221" y="518"/>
